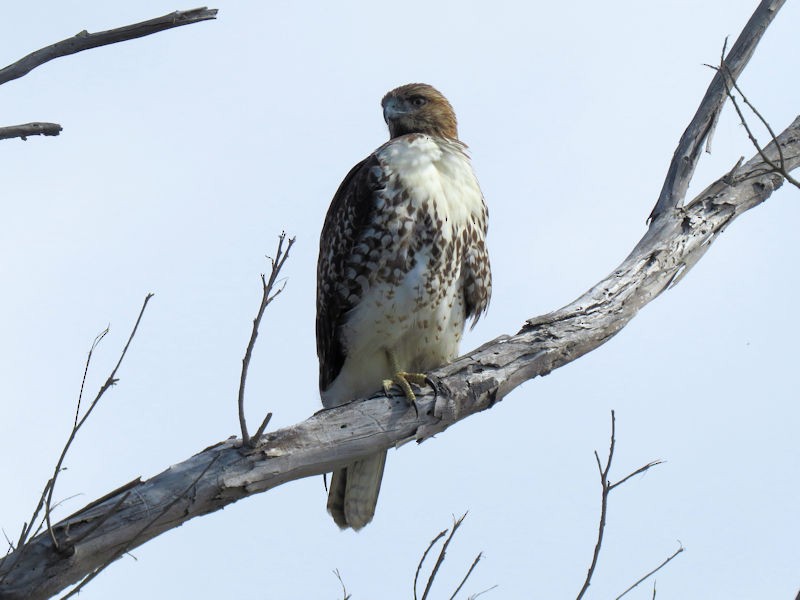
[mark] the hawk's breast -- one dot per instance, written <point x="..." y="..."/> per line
<point x="412" y="261"/>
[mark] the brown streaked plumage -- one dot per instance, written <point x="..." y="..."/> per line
<point x="402" y="266"/>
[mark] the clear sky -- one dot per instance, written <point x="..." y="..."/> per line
<point x="185" y="154"/>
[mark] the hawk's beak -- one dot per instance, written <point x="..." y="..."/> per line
<point x="392" y="110"/>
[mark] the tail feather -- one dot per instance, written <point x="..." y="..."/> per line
<point x="354" y="491"/>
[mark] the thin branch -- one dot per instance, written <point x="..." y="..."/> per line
<point x="469" y="572"/>
<point x="26" y="530"/>
<point x="98" y="338"/>
<point x="686" y="155"/>
<point x="85" y="40"/>
<point x="651" y="573"/>
<point x="28" y="129"/>
<point x="607" y="487"/>
<point x="267" y="296"/>
<point x="638" y="471"/>
<point x="442" y="552"/>
<point x="482" y="592"/>
<point x="439" y="536"/>
<point x="603" y="507"/>
<point x="780" y="166"/>
<point x="345" y="595"/>
<point x="50" y="486"/>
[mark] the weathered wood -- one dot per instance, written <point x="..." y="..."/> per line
<point x="26" y="129"/>
<point x="85" y="40"/>
<point x="684" y="161"/>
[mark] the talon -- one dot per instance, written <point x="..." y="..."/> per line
<point x="434" y="385"/>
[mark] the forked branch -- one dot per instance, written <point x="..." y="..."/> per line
<point x="268" y="294"/>
<point x="607" y="486"/>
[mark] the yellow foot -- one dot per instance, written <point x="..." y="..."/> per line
<point x="404" y="380"/>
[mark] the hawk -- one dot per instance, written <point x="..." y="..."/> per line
<point x="402" y="266"/>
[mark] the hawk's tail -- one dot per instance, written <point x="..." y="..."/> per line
<point x="354" y="491"/>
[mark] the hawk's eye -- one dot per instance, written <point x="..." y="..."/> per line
<point x="419" y="101"/>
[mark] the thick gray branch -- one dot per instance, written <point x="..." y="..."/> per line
<point x="26" y="129"/>
<point x="688" y="151"/>
<point x="85" y="41"/>
<point x="227" y="472"/>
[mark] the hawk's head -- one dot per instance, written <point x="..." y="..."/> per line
<point x="418" y="108"/>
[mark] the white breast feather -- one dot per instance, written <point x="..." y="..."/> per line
<point x="439" y="173"/>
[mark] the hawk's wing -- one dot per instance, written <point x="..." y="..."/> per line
<point x="351" y="209"/>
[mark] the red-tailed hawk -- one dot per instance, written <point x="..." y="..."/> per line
<point x="402" y="266"/>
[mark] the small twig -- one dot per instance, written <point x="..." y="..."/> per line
<point x="482" y="592"/>
<point x="687" y="153"/>
<point x="439" y="536"/>
<point x="638" y="471"/>
<point x="603" y="506"/>
<point x="663" y="564"/>
<point x="50" y="486"/>
<point x="345" y="595"/>
<point x="469" y="572"/>
<point x="98" y="338"/>
<point x="11" y="546"/>
<point x="730" y="81"/>
<point x="267" y="296"/>
<point x="85" y="40"/>
<point x="28" y="129"/>
<point x="442" y="552"/>
<point x="607" y="487"/>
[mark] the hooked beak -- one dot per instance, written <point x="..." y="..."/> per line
<point x="392" y="110"/>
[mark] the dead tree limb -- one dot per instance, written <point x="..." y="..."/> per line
<point x="607" y="487"/>
<point x="86" y="41"/>
<point x="28" y="129"/>
<point x="229" y="471"/>
<point x="269" y="293"/>
<point x="690" y="146"/>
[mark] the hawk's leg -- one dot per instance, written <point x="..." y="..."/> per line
<point x="403" y="380"/>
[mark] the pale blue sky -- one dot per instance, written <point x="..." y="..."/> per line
<point x="183" y="156"/>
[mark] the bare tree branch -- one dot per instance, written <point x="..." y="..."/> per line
<point x="85" y="40"/>
<point x="345" y="595"/>
<point x="432" y="543"/>
<point x="440" y="558"/>
<point x="607" y="486"/>
<point x="731" y="82"/>
<point x="27" y="129"/>
<point x="267" y="296"/>
<point x="653" y="572"/>
<point x="690" y="146"/>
